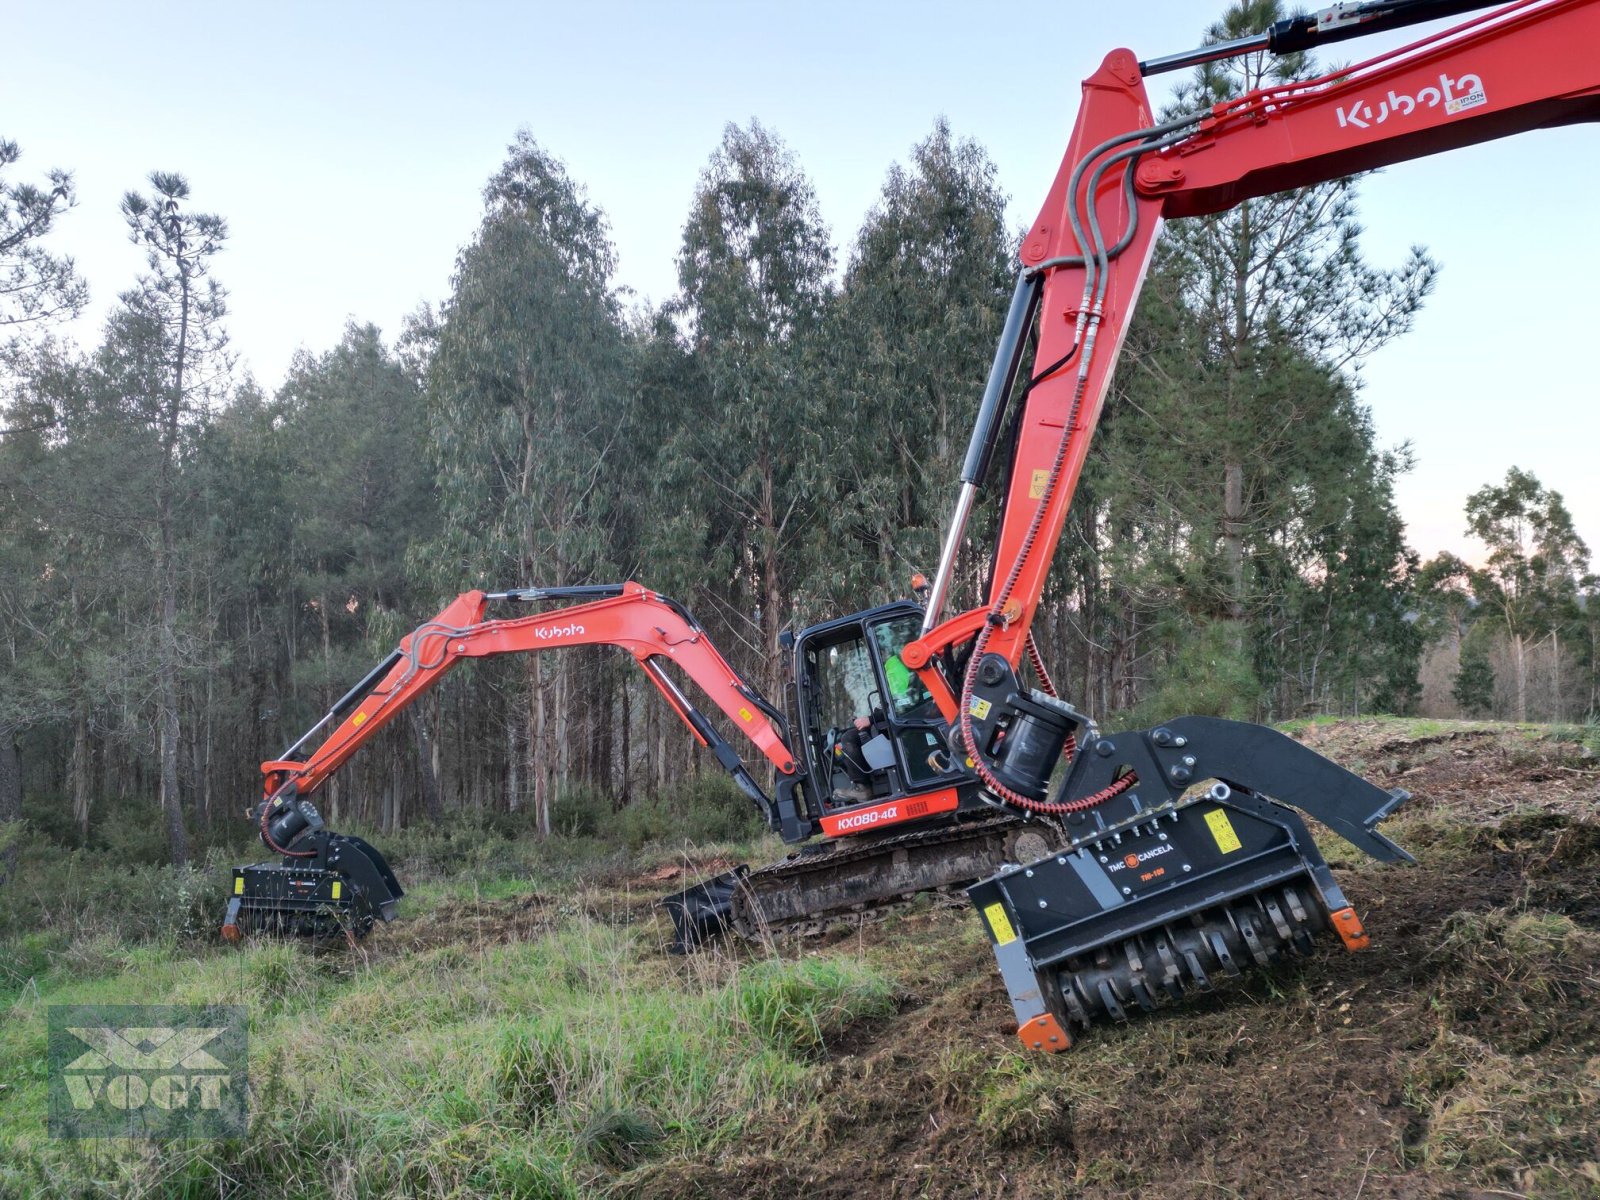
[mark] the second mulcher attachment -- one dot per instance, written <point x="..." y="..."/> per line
<point x="324" y="885"/>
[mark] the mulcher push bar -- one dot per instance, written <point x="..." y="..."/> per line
<point x="1336" y="24"/>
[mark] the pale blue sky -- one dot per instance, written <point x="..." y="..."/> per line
<point x="346" y="144"/>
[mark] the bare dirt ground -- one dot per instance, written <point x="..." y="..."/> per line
<point x="1458" y="1057"/>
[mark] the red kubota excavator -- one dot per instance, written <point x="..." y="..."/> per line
<point x="1111" y="871"/>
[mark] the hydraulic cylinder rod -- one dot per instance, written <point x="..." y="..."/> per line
<point x="1335" y="24"/>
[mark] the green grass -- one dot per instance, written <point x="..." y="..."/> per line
<point x="523" y="1033"/>
<point x="532" y="1040"/>
<point x="533" y="1068"/>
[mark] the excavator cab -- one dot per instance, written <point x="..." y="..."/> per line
<point x="877" y="751"/>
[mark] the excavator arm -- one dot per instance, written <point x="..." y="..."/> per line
<point x="655" y="630"/>
<point x="330" y="881"/>
<point x="1525" y="66"/>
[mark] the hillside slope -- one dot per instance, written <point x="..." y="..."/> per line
<point x="1460" y="1055"/>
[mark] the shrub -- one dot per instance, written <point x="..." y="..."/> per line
<point x="705" y="809"/>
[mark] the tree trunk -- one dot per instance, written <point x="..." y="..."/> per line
<point x="1233" y="537"/>
<point x="10" y="801"/>
<point x="513" y="763"/>
<point x="167" y="568"/>
<point x="625" y="793"/>
<point x="538" y="751"/>
<point x="1519" y="655"/>
<point x="431" y="801"/>
<point x="177" y="836"/>
<point x="1555" y="676"/>
<point x="772" y="607"/>
<point x="80" y="776"/>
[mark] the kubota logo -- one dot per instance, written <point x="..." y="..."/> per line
<point x="572" y="629"/>
<point x="146" y="1070"/>
<point x="1457" y="96"/>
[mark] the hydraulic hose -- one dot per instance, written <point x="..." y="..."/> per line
<point x="1097" y="265"/>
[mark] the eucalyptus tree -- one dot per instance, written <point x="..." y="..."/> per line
<point x="754" y="276"/>
<point x="525" y="393"/>
<point x="912" y="333"/>
<point x="1536" y="559"/>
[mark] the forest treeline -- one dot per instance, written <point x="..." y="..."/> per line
<point x="194" y="567"/>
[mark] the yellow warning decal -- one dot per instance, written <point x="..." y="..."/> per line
<point x="1222" y="830"/>
<point x="338" y="888"/>
<point x="980" y="708"/>
<point x="1036" y="485"/>
<point x="358" y="720"/>
<point x="238" y="885"/>
<point x="746" y="715"/>
<point x="995" y="914"/>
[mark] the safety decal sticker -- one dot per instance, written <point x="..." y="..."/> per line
<point x="1222" y="830"/>
<point x="995" y="914"/>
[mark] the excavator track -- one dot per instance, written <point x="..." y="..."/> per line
<point x="810" y="892"/>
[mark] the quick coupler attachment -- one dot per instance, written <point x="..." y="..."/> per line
<point x="340" y="888"/>
<point x="1198" y="871"/>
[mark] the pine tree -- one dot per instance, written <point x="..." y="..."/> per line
<point x="1473" y="688"/>
<point x="168" y="350"/>
<point x="1277" y="271"/>
<point x="37" y="287"/>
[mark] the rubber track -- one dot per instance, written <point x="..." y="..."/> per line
<point x="818" y="916"/>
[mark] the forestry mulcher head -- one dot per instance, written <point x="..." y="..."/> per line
<point x="1195" y="870"/>
<point x="324" y="885"/>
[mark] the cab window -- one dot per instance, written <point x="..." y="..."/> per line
<point x="846" y="688"/>
<point x="906" y="691"/>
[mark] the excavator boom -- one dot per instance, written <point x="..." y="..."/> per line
<point x="329" y="883"/>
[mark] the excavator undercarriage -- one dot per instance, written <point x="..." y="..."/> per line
<point x="829" y="884"/>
